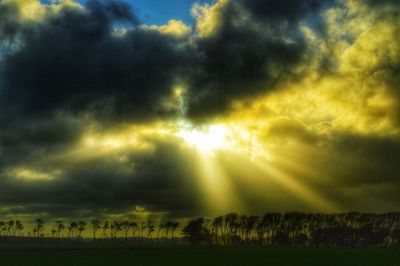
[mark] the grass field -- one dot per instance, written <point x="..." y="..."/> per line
<point x="206" y="257"/>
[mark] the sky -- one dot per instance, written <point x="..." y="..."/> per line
<point x="160" y="11"/>
<point x="180" y="109"/>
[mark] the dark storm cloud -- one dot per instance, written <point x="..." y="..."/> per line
<point x="247" y="55"/>
<point x="382" y="2"/>
<point x="156" y="180"/>
<point x="290" y="10"/>
<point x="74" y="62"/>
<point x="23" y="142"/>
<point x="10" y="24"/>
<point x="364" y="171"/>
<point x="365" y="159"/>
<point x="48" y="132"/>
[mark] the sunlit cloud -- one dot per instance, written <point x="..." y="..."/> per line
<point x="28" y="174"/>
<point x="173" y="27"/>
<point x="35" y="10"/>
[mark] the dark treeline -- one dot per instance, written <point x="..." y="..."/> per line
<point x="298" y="229"/>
<point x="294" y="229"/>
<point x="143" y="232"/>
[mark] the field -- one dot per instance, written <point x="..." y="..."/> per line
<point x="205" y="257"/>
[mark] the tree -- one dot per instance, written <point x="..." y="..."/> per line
<point x="53" y="232"/>
<point x="115" y="228"/>
<point x="19" y="227"/>
<point x="217" y="228"/>
<point x="11" y="228"/>
<point x="249" y="226"/>
<point x="160" y="227"/>
<point x="142" y="228"/>
<point x="81" y="228"/>
<point x="95" y="227"/>
<point x="72" y="229"/>
<point x="106" y="227"/>
<point x="168" y="226"/>
<point x="125" y="226"/>
<point x="272" y="222"/>
<point x="60" y="227"/>
<point x="196" y="232"/>
<point x="3" y="228"/>
<point x="175" y="225"/>
<point x="134" y="228"/>
<point x="231" y="225"/>
<point x="39" y="227"/>
<point x="150" y="228"/>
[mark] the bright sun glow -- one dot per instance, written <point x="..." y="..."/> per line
<point x="206" y="139"/>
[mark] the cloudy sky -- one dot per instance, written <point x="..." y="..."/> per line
<point x="184" y="108"/>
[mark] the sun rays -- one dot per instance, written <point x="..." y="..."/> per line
<point x="219" y="188"/>
<point x="259" y="165"/>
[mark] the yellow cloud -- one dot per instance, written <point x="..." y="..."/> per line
<point x="33" y="174"/>
<point x="208" y="17"/>
<point x="36" y="11"/>
<point x="174" y="27"/>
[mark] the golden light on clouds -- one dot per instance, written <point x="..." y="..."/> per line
<point x="173" y="27"/>
<point x="208" y="17"/>
<point x="34" y="10"/>
<point x="242" y="137"/>
<point x="28" y="174"/>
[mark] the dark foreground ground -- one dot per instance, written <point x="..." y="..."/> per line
<point x="205" y="257"/>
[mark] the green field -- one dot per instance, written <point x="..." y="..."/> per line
<point x="206" y="257"/>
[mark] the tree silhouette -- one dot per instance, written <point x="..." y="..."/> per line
<point x="296" y="229"/>
<point x="39" y="227"/>
<point x="115" y="227"/>
<point x="72" y="229"/>
<point x="60" y="227"/>
<point x="160" y="227"/>
<point x="3" y="228"/>
<point x="175" y="225"/>
<point x="231" y="225"/>
<point x="168" y="227"/>
<point x="134" y="228"/>
<point x="126" y="226"/>
<point x="19" y="227"/>
<point x="53" y="232"/>
<point x="81" y="228"/>
<point x="150" y="228"/>
<point x="217" y="228"/>
<point x="11" y="228"/>
<point x="196" y="232"/>
<point x="142" y="228"/>
<point x="106" y="227"/>
<point x="95" y="227"/>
